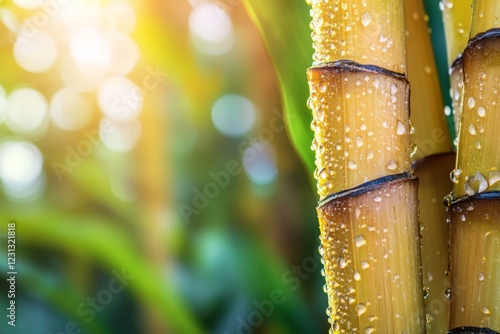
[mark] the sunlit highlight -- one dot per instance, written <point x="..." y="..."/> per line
<point x="70" y="110"/>
<point x="37" y="54"/>
<point x="211" y="29"/>
<point x="20" y="165"/>
<point x="90" y="50"/>
<point x="26" y="112"/>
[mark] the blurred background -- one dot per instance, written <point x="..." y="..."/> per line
<point x="145" y="162"/>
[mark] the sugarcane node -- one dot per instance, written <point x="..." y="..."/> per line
<point x="367" y="187"/>
<point x="449" y="201"/>
<point x="480" y="38"/>
<point x="352" y="66"/>
<point x="457" y="63"/>
<point x="471" y="330"/>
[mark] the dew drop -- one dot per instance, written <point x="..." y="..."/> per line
<point x="392" y="165"/>
<point x="357" y="276"/>
<point x="366" y="18"/>
<point x="352" y="165"/>
<point x="360" y="309"/>
<point x="359" y="241"/>
<point x="322" y="87"/>
<point x="472" y="130"/>
<point x="455" y="174"/>
<point x="401" y="129"/>
<point x="359" y="141"/>
<point x="471" y="102"/>
<point x="481" y="277"/>
<point x="485" y="310"/>
<point x="378" y="199"/>
<point x="494" y="177"/>
<point x="365" y="265"/>
<point x="369" y="330"/>
<point x="477" y="183"/>
<point x="342" y="263"/>
<point x="447" y="111"/>
<point x="447" y="293"/>
<point x="369" y="155"/>
<point x="321" y="251"/>
<point x="481" y="111"/>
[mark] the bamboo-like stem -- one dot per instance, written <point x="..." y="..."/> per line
<point x="370" y="263"/>
<point x="475" y="217"/>
<point x="368" y="213"/>
<point x="457" y="25"/>
<point x="434" y="183"/>
<point x="431" y="164"/>
<point x="426" y="104"/>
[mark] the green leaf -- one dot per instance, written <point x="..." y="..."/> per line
<point x="284" y="26"/>
<point x="99" y="239"/>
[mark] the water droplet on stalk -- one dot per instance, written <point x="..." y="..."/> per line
<point x="366" y="18"/>
<point x="359" y="241"/>
<point x="471" y="102"/>
<point x="360" y="309"/>
<point x="392" y="165"/>
<point x="481" y="111"/>
<point x="447" y="293"/>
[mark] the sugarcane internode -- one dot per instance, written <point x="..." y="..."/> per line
<point x="475" y="200"/>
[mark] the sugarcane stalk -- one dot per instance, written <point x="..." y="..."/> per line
<point x="457" y="23"/>
<point x="432" y="162"/>
<point x="368" y="195"/>
<point x="474" y="212"/>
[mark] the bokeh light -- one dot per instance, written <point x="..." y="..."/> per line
<point x="120" y="99"/>
<point x="20" y="168"/>
<point x="36" y="54"/>
<point x="9" y="19"/>
<point x="125" y="53"/>
<point x="26" y="112"/>
<point x="120" y="136"/>
<point x="119" y="16"/>
<point x="234" y="115"/>
<point x="70" y="110"/>
<point x="211" y="29"/>
<point x="90" y="50"/>
<point x="259" y="162"/>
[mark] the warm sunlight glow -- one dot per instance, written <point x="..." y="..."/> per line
<point x="120" y="136"/>
<point x="120" y="99"/>
<point x="90" y="50"/>
<point x="211" y="29"/>
<point x="36" y="54"/>
<point x="20" y="165"/>
<point x="70" y="110"/>
<point x="26" y="112"/>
